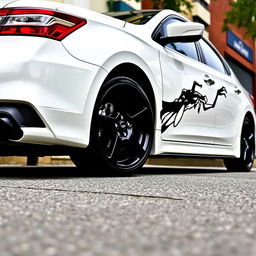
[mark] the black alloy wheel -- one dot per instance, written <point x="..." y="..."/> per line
<point x="245" y="162"/>
<point x="122" y="127"/>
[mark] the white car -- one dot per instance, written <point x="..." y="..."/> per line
<point x="112" y="89"/>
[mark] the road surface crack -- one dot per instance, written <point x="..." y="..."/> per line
<point x="95" y="192"/>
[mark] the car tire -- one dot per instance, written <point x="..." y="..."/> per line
<point x="122" y="129"/>
<point x="245" y="162"/>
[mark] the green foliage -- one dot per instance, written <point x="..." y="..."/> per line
<point x="242" y="14"/>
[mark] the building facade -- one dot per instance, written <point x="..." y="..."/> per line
<point x="238" y="50"/>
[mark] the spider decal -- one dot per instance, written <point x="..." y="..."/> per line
<point x="172" y="112"/>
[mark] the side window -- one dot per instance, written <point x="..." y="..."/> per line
<point x="211" y="58"/>
<point x="187" y="49"/>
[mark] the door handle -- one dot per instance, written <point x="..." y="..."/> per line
<point x="237" y="91"/>
<point x="208" y="80"/>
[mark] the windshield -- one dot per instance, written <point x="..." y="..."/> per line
<point x="135" y="17"/>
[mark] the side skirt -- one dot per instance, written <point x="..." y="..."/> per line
<point x="163" y="148"/>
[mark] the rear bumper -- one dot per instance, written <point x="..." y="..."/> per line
<point x="40" y="73"/>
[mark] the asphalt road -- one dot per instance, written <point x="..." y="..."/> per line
<point x="160" y="211"/>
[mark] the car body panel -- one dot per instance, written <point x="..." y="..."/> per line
<point x="40" y="71"/>
<point x="180" y="72"/>
<point x="112" y="53"/>
<point x="4" y="3"/>
<point x="33" y="4"/>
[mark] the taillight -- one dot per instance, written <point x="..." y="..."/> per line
<point x="38" y="22"/>
<point x="253" y="101"/>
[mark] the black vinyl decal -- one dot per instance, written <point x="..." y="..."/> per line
<point x="172" y="112"/>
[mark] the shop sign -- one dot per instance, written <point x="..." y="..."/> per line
<point x="239" y="46"/>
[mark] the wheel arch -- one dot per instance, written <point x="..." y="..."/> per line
<point x="250" y="116"/>
<point x="135" y="67"/>
<point x="136" y="73"/>
<point x="252" y="119"/>
<point x="244" y="160"/>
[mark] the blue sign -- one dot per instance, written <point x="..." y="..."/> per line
<point x="239" y="46"/>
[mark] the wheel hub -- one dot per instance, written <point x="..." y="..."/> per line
<point x="123" y="128"/>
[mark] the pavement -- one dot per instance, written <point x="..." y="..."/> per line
<point x="159" y="211"/>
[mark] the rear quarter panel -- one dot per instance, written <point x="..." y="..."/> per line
<point x="107" y="46"/>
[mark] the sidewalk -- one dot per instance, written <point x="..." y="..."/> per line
<point x="64" y="160"/>
<point x="167" y="161"/>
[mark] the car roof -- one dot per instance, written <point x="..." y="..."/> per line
<point x="159" y="17"/>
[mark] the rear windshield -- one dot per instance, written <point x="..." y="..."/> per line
<point x="135" y="17"/>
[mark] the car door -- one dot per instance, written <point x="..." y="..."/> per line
<point x="186" y="113"/>
<point x="229" y="105"/>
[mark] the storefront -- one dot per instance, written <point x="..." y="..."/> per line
<point x="238" y="50"/>
<point x="245" y="76"/>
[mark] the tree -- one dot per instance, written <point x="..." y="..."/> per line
<point x="183" y="6"/>
<point x="242" y="14"/>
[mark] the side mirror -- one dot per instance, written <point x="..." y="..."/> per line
<point x="182" y="32"/>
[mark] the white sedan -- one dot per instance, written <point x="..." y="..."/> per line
<point x="112" y="89"/>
